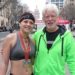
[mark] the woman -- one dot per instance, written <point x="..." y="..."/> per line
<point x="19" y="49"/>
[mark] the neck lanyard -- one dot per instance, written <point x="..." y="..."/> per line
<point x="26" y="50"/>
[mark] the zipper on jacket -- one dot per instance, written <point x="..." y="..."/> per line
<point x="62" y="45"/>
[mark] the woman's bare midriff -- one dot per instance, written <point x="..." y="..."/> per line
<point x="18" y="67"/>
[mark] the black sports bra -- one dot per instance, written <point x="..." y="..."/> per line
<point x="17" y="52"/>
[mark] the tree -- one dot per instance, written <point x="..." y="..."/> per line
<point x="68" y="12"/>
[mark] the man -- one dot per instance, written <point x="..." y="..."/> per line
<point x="54" y="46"/>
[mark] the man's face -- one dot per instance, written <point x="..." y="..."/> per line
<point x="50" y="17"/>
<point x="26" y="25"/>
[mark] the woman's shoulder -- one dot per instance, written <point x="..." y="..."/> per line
<point x="10" y="36"/>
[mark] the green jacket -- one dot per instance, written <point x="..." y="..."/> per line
<point x="53" y="62"/>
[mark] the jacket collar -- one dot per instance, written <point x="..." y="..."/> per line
<point x="62" y="29"/>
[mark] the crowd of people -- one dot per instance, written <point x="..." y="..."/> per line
<point x="45" y="53"/>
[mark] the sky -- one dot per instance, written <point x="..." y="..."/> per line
<point x="33" y="3"/>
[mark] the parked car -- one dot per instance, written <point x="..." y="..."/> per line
<point x="3" y="28"/>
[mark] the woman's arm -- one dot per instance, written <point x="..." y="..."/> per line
<point x="5" y="54"/>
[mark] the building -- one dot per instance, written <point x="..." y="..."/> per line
<point x="59" y="3"/>
<point x="36" y="13"/>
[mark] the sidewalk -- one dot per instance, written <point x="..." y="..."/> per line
<point x="73" y="33"/>
<point x="1" y="39"/>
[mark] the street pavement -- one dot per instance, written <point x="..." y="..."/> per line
<point x="3" y="35"/>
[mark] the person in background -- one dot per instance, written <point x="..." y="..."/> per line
<point x="54" y="46"/>
<point x="18" y="48"/>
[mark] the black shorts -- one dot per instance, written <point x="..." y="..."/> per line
<point x="32" y="74"/>
<point x="11" y="74"/>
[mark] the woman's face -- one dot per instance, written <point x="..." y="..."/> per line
<point x="26" y="25"/>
